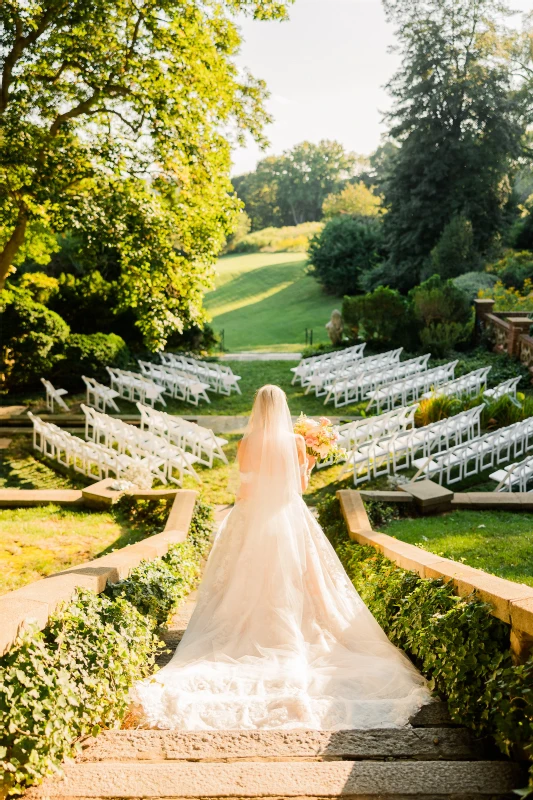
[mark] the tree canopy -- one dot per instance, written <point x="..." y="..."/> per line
<point x="458" y="122"/>
<point x="356" y="199"/>
<point x="291" y="188"/>
<point x="116" y="121"/>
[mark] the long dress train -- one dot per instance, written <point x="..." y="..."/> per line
<point x="280" y="638"/>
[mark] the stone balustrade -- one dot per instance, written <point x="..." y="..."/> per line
<point x="509" y="331"/>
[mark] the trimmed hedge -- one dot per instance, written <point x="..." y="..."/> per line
<point x="455" y="641"/>
<point x="32" y="339"/>
<point x="89" y="354"/>
<point x="75" y="676"/>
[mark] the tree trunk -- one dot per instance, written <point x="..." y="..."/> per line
<point x="12" y="246"/>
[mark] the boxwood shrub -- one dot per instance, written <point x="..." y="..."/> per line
<point x="74" y="677"/>
<point x="456" y="643"/>
<point x="89" y="354"/>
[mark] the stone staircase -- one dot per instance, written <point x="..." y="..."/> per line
<point x="431" y="760"/>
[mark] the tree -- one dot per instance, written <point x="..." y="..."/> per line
<point x="458" y="124"/>
<point x="116" y="119"/>
<point x="345" y="249"/>
<point x="258" y="190"/>
<point x="454" y="253"/>
<point x="291" y="188"/>
<point x="355" y="199"/>
<point x="381" y="316"/>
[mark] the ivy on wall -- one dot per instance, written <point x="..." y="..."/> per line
<point x="455" y="642"/>
<point x="74" y="677"/>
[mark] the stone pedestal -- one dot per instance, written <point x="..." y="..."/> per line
<point x="430" y="497"/>
<point x="518" y="326"/>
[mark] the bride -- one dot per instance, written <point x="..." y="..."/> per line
<point x="279" y="637"/>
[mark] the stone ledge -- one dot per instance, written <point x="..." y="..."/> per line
<point x="501" y="501"/>
<point x="511" y="602"/>
<point x="34" y="603"/>
<point x="24" y="498"/>
<point x="387" y="497"/>
<point x="97" y="495"/>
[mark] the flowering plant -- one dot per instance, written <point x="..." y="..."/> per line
<point x="320" y="437"/>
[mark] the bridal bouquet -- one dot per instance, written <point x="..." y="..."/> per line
<point x="320" y="438"/>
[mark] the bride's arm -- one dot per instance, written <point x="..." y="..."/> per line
<point x="305" y="460"/>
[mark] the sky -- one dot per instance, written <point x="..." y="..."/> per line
<point x="326" y="70"/>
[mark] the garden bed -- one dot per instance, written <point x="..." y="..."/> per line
<point x="92" y="650"/>
<point x="456" y="642"/>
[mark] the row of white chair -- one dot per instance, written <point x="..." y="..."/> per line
<point x="320" y="381"/>
<point x="219" y="378"/>
<point x="89" y="458"/>
<point x="346" y="390"/>
<point x="475" y="456"/>
<point x="515" y="476"/>
<point x="170" y="462"/>
<point x="202" y="442"/>
<point x="354" y="434"/>
<point x="469" y="385"/>
<point x="397" y="451"/>
<point x="132" y="386"/>
<point x="178" y="385"/>
<point x="314" y="364"/>
<point x="508" y="387"/>
<point x="407" y="390"/>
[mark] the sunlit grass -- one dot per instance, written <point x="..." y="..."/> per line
<point x="36" y="542"/>
<point x="266" y="301"/>
<point x="499" y="542"/>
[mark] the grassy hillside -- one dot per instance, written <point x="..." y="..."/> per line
<point x="265" y="301"/>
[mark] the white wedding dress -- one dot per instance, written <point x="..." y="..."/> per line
<point x="279" y="637"/>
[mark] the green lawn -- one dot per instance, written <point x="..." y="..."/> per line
<point x="265" y="301"/>
<point x="499" y="542"/>
<point x="36" y="542"/>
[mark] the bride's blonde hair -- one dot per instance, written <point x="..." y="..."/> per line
<point x="269" y="400"/>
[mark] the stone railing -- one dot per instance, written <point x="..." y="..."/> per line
<point x="34" y="603"/>
<point x="511" y="602"/>
<point x="526" y="351"/>
<point x="509" y="331"/>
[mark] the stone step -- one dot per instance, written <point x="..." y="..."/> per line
<point x="409" y="743"/>
<point x="359" y="780"/>
<point x="433" y="715"/>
